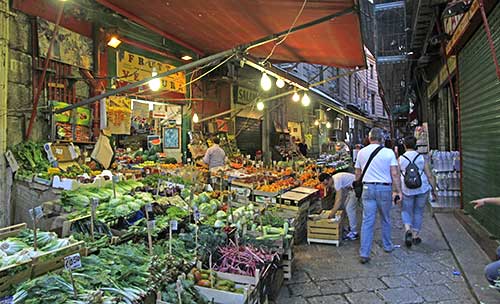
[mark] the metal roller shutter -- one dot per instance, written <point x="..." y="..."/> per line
<point x="480" y="122"/>
<point x="249" y="135"/>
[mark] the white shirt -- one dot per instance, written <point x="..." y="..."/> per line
<point x="380" y="167"/>
<point x="343" y="180"/>
<point x="420" y="162"/>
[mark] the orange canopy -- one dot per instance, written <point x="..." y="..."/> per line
<point x="211" y="26"/>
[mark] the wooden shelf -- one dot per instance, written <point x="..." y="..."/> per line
<point x="76" y="142"/>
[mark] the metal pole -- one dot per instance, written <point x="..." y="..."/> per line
<point x="490" y="39"/>
<point x="4" y="76"/>
<point x="144" y="81"/>
<point x="208" y="59"/>
<point x="44" y="72"/>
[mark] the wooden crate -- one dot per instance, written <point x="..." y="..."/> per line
<point x="13" y="275"/>
<point x="10" y="231"/>
<point x="227" y="297"/>
<point x="324" y="231"/>
<point x="54" y="260"/>
<point x="287" y="263"/>
<point x="307" y="190"/>
<point x="295" y="201"/>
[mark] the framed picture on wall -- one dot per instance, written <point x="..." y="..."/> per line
<point x="171" y="138"/>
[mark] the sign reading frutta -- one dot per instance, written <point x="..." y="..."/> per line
<point x="133" y="67"/>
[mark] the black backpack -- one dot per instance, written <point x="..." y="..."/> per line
<point x="412" y="177"/>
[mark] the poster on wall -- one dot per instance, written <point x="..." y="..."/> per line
<point x="133" y="67"/>
<point x="171" y="138"/>
<point x="118" y="115"/>
<point x="69" y="47"/>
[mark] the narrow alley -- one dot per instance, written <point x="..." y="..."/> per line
<point x="427" y="273"/>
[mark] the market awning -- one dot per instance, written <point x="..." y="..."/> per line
<point x="212" y="26"/>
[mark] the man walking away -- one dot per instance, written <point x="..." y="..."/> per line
<point x="345" y="198"/>
<point x="381" y="185"/>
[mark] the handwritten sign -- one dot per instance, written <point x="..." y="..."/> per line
<point x="173" y="225"/>
<point x="36" y="213"/>
<point x="73" y="261"/>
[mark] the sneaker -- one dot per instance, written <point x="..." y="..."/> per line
<point x="351" y="236"/>
<point x="364" y="260"/>
<point x="408" y="238"/>
<point x="417" y="240"/>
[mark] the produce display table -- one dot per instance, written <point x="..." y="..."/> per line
<point x="289" y="205"/>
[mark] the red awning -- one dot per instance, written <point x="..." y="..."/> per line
<point x="217" y="25"/>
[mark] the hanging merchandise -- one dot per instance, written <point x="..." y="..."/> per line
<point x="119" y="115"/>
<point x="103" y="152"/>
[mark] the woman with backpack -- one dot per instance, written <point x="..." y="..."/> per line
<point x="416" y="181"/>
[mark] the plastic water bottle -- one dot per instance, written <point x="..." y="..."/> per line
<point x="456" y="198"/>
<point x="447" y="161"/>
<point x="440" y="197"/>
<point x="457" y="161"/>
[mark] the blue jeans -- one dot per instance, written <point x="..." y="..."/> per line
<point x="376" y="197"/>
<point x="350" y="205"/>
<point x="413" y="210"/>
<point x="492" y="270"/>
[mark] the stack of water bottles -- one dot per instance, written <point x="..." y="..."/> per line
<point x="446" y="169"/>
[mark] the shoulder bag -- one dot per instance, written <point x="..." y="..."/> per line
<point x="358" y="184"/>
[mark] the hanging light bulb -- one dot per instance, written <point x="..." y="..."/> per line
<point x="195" y="118"/>
<point x="154" y="84"/>
<point x="306" y="100"/>
<point x="280" y="83"/>
<point x="260" y="106"/>
<point x="296" y="97"/>
<point x="265" y="82"/>
<point x="316" y="122"/>
<point x="328" y="125"/>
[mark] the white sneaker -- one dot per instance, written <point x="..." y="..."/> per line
<point x="351" y="236"/>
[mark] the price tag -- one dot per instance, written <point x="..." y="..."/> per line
<point x="178" y="286"/>
<point x="151" y="225"/>
<point x="36" y="213"/>
<point x="73" y="261"/>
<point x="116" y="178"/>
<point x="173" y="225"/>
<point x="149" y="208"/>
<point x="7" y="300"/>
<point x="12" y="161"/>
<point x="179" y="289"/>
<point x="94" y="203"/>
<point x="196" y="214"/>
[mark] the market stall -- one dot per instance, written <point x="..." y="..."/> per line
<point x="232" y="243"/>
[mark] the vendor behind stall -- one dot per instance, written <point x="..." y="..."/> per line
<point x="215" y="156"/>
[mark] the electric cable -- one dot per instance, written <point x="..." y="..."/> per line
<point x="286" y="35"/>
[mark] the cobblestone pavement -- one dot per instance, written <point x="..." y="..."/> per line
<point x="422" y="274"/>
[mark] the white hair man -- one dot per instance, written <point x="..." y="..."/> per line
<point x="381" y="186"/>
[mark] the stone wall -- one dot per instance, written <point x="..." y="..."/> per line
<point x="20" y="88"/>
